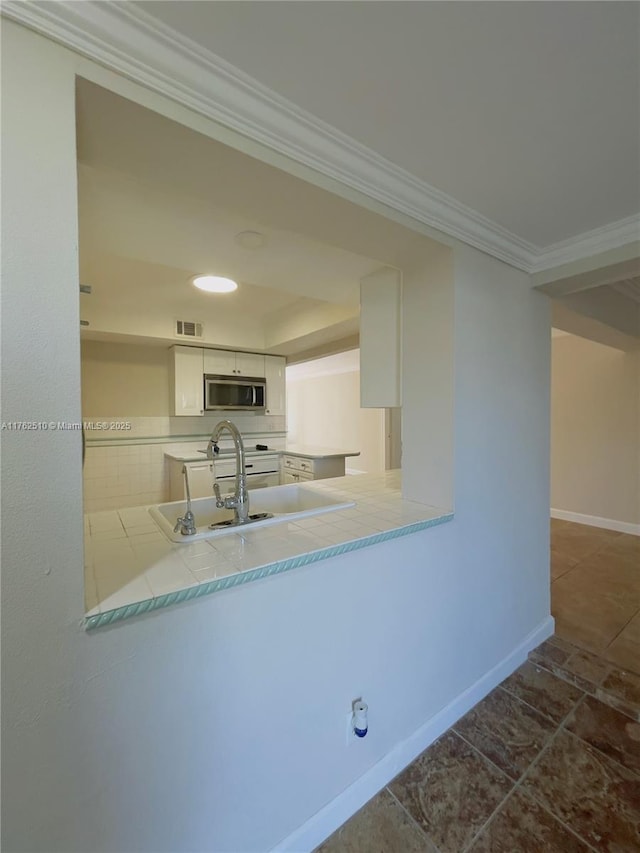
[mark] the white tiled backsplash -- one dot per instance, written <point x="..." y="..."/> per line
<point x="116" y="477"/>
<point x="124" y="475"/>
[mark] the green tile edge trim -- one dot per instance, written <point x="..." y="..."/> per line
<point x="99" y="620"/>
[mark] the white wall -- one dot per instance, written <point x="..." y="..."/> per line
<point x="428" y="295"/>
<point x="595" y="431"/>
<point x="124" y="379"/>
<point x="145" y="736"/>
<point x="324" y="410"/>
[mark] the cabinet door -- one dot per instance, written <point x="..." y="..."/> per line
<point x="274" y="371"/>
<point x="201" y="479"/>
<point x="249" y="364"/>
<point x="295" y="477"/>
<point x="219" y="362"/>
<point x="188" y="386"/>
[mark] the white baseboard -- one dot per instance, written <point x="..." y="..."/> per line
<point x="334" y="814"/>
<point x="596" y="521"/>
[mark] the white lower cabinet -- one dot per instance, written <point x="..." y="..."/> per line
<point x="295" y="477"/>
<point x="295" y="469"/>
<point x="261" y="472"/>
<point x="200" y="480"/>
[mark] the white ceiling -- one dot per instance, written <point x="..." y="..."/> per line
<point x="159" y="203"/>
<point x="527" y="112"/>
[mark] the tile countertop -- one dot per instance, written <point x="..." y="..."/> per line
<point x="312" y="451"/>
<point x="131" y="567"/>
<point x="308" y="451"/>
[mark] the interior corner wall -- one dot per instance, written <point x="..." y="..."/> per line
<point x="325" y="411"/>
<point x="428" y="374"/>
<point x="124" y="380"/>
<point x="595" y="431"/>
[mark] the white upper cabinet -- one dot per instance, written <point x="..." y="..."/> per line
<point x="187" y="386"/>
<point x="226" y="363"/>
<point x="250" y="364"/>
<point x="189" y="365"/>
<point x="219" y="362"/>
<point x="274" y="370"/>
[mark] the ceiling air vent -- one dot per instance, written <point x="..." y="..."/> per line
<point x="187" y="329"/>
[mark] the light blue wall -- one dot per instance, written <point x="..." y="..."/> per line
<point x="219" y="725"/>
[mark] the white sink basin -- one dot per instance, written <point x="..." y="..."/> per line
<point x="285" y="503"/>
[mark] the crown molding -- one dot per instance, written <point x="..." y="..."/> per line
<point x="611" y="236"/>
<point x="131" y="42"/>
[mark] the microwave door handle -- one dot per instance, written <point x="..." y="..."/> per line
<point x="253" y="395"/>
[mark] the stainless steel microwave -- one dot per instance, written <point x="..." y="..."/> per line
<point x="230" y="392"/>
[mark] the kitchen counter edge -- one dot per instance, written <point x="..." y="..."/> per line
<point x="296" y="450"/>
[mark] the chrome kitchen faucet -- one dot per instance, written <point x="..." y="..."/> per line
<point x="238" y="502"/>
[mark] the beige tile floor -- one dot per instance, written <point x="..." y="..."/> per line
<point x="549" y="761"/>
<point x="595" y="590"/>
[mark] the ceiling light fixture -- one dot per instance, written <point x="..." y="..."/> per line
<point x="214" y="283"/>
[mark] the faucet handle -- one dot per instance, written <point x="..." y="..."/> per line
<point x="186" y="524"/>
<point x="219" y="501"/>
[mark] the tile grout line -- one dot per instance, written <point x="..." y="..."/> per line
<point x="513" y="787"/>
<point x="486" y="757"/>
<point x="562" y="727"/>
<point x="568" y="674"/>
<point x="533" y="707"/>
<point x="580" y="561"/>
<point x="608" y="757"/>
<point x="595" y="687"/>
<point x="518" y="783"/>
<point x="493" y="814"/>
<point x="411" y="817"/>
<point x="626" y="624"/>
<point x="536" y="761"/>
<point x="570" y="569"/>
<point x="577" y="647"/>
<point x="481" y="754"/>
